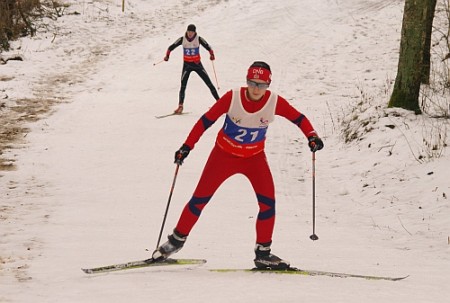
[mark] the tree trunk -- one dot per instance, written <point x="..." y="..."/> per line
<point x="416" y="17"/>
<point x="429" y="16"/>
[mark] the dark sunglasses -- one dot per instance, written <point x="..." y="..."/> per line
<point x="258" y="85"/>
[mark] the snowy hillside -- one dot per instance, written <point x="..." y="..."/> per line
<point x="88" y="181"/>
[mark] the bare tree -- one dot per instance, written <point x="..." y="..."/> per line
<point x="414" y="60"/>
<point x="429" y="17"/>
<point x="7" y="13"/>
<point x="22" y="17"/>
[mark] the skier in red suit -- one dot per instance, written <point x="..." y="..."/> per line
<point x="239" y="149"/>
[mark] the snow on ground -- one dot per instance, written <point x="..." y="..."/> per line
<point x="88" y="181"/>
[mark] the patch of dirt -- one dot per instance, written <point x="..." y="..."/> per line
<point x="6" y="78"/>
<point x="12" y="120"/>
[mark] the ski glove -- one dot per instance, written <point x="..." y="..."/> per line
<point x="315" y="143"/>
<point x="166" y="58"/>
<point x="211" y="55"/>
<point x="181" y="154"/>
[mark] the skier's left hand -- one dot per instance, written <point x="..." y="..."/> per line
<point x="211" y="55"/>
<point x="315" y="143"/>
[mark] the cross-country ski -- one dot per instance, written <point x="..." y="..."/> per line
<point x="305" y="272"/>
<point x="170" y="115"/>
<point x="142" y="263"/>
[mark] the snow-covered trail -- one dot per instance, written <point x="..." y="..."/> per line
<point x="93" y="181"/>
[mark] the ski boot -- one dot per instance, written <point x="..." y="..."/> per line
<point x="175" y="243"/>
<point x="179" y="110"/>
<point x="265" y="260"/>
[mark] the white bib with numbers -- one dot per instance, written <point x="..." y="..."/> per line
<point x="243" y="134"/>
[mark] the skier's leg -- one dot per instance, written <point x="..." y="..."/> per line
<point x="204" y="76"/>
<point x="260" y="176"/>
<point x="258" y="172"/>
<point x="186" y="72"/>
<point x="218" y="168"/>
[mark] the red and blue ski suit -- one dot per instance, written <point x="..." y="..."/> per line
<point x="239" y="149"/>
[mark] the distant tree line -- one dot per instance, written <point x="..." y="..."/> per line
<point x="18" y="18"/>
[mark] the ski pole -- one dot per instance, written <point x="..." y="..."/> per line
<point x="215" y="76"/>
<point x="158" y="62"/>
<point x="314" y="237"/>
<point x="168" y="204"/>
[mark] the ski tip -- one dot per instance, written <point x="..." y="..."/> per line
<point x="87" y="271"/>
<point x="400" y="278"/>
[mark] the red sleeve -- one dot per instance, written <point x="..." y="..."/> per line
<point x="286" y="110"/>
<point x="209" y="118"/>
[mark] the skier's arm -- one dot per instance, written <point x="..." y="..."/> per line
<point x="205" y="44"/>
<point x="172" y="47"/>
<point x="286" y="110"/>
<point x="208" y="119"/>
<point x="207" y="47"/>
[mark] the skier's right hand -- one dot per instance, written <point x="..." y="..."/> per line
<point x="166" y="58"/>
<point x="181" y="154"/>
